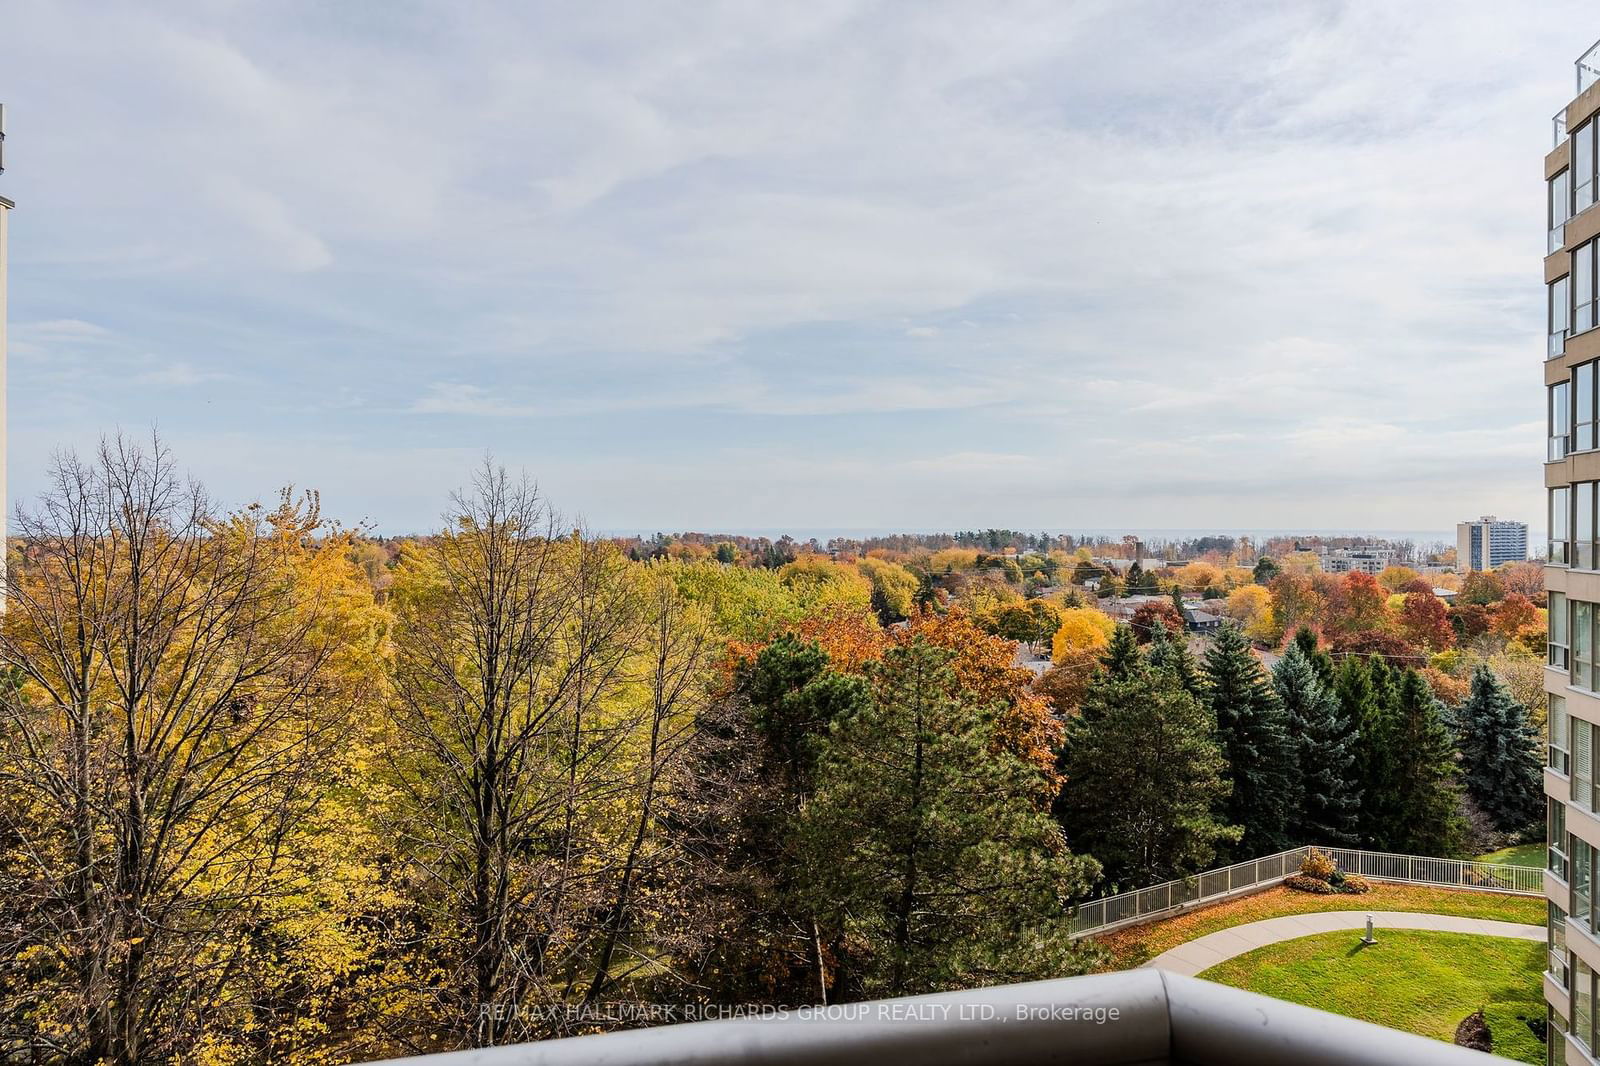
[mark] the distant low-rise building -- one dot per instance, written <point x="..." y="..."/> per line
<point x="1490" y="542"/>
<point x="1365" y="560"/>
<point x="1122" y="608"/>
<point x="1200" y="621"/>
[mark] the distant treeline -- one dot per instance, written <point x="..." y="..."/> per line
<point x="769" y="552"/>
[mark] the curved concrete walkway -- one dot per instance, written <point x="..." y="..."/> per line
<point x="1205" y="952"/>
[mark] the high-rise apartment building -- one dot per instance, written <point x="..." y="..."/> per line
<point x="1571" y="475"/>
<point x="1489" y="541"/>
<point x="5" y="218"/>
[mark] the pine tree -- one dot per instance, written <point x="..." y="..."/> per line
<point x="925" y="842"/>
<point x="1500" y="758"/>
<point x="1144" y="778"/>
<point x="1325" y="754"/>
<point x="793" y="696"/>
<point x="1254" y="741"/>
<point x="1428" y="796"/>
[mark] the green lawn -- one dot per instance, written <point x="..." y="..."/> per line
<point x="1127" y="948"/>
<point x="1422" y="982"/>
<point x="1522" y="855"/>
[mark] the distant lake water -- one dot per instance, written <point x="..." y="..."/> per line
<point x="1151" y="535"/>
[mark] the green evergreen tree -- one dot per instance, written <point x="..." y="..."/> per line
<point x="1501" y="763"/>
<point x="925" y="842"/>
<point x="1135" y="579"/>
<point x="1170" y="651"/>
<point x="1325" y="754"/>
<point x="1311" y="647"/>
<point x="1372" y="718"/>
<point x="1121" y="657"/>
<point x="794" y="697"/>
<point x="1254" y="741"/>
<point x="1265" y="570"/>
<point x="1144" y="778"/>
<point x="1428" y="817"/>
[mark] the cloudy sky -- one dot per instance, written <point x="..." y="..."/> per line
<point x="832" y="265"/>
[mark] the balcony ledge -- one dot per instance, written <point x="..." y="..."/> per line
<point x="1159" y="1018"/>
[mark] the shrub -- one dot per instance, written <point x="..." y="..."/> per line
<point x="1318" y="865"/>
<point x="1474" y="1032"/>
<point x="1356" y="885"/>
<point x="1315" y="885"/>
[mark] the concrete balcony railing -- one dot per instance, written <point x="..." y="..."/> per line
<point x="1144" y="1017"/>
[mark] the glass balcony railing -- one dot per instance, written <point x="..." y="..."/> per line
<point x="1589" y="67"/>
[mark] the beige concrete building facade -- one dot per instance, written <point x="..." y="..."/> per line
<point x="1572" y="481"/>
<point x="5" y="222"/>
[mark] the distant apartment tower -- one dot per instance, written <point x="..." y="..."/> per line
<point x="1489" y="542"/>
<point x="1572" y="574"/>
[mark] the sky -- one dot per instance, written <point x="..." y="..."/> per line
<point x="832" y="265"/>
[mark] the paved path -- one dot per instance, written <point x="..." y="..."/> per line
<point x="1205" y="952"/>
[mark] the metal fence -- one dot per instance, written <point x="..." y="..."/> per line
<point x="1214" y="886"/>
<point x="1447" y="873"/>
<point x="1147" y="904"/>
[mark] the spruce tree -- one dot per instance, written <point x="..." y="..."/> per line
<point x="1372" y="718"/>
<point x="1311" y="647"/>
<point x="1121" y="657"/>
<point x="1169" y="651"/>
<point x="925" y="842"/>
<point x="1501" y="764"/>
<point x="1254" y="741"/>
<point x="1145" y="778"/>
<point x="1427" y="818"/>
<point x="1325" y="755"/>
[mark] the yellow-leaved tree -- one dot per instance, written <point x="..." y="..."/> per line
<point x="1251" y="606"/>
<point x="1082" y="630"/>
<point x="545" y="701"/>
<point x="182" y="683"/>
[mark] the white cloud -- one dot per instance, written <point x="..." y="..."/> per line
<point x="1208" y="254"/>
<point x="178" y="375"/>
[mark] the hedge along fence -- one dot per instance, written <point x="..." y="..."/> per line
<point x="1229" y="882"/>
